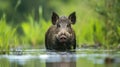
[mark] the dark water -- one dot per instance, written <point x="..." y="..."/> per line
<point x="43" y="58"/>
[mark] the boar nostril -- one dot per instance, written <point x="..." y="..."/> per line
<point x="63" y="38"/>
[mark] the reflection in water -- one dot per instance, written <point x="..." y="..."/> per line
<point x="109" y="62"/>
<point x="42" y="58"/>
<point x="61" y="59"/>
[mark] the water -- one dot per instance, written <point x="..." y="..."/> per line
<point x="43" y="58"/>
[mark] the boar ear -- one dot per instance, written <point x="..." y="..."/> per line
<point x="72" y="17"/>
<point x="55" y="17"/>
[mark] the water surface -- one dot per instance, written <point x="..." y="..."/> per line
<point x="43" y="58"/>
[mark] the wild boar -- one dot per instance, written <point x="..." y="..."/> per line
<point x="60" y="36"/>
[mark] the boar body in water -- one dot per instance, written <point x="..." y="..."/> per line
<point x="60" y="36"/>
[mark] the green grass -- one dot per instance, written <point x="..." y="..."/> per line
<point x="88" y="28"/>
<point x="34" y="32"/>
<point x="8" y="36"/>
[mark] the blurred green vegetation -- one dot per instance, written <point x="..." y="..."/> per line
<point x="24" y="22"/>
<point x="7" y="35"/>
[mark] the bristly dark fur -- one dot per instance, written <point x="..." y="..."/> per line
<point x="53" y="34"/>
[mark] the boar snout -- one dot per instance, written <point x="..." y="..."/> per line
<point x="63" y="36"/>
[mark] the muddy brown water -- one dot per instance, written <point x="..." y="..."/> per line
<point x="43" y="58"/>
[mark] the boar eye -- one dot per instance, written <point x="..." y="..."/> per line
<point x="58" y="25"/>
<point x="68" y="25"/>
